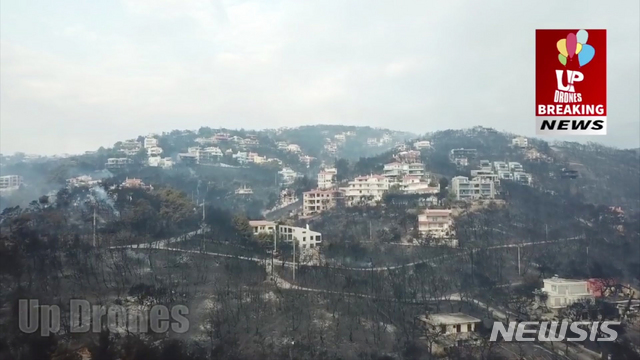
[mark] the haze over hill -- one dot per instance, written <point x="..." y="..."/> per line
<point x="87" y="75"/>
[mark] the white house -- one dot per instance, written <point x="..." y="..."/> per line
<point x="438" y="224"/>
<point x="157" y="161"/>
<point x="262" y="226"/>
<point x="476" y="188"/>
<point x="424" y="144"/>
<point x="150" y="142"/>
<point x="397" y="169"/>
<point x="520" y="142"/>
<point x="366" y="189"/>
<point x="154" y="151"/>
<point x="306" y="239"/>
<point x="10" y="181"/>
<point x="327" y="178"/>
<point x="317" y="201"/>
<point x="515" y="166"/>
<point x="564" y="292"/>
<point x="500" y="166"/>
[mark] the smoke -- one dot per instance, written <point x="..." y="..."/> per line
<point x="99" y="194"/>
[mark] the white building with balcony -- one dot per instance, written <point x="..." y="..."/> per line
<point x="564" y="292"/>
<point x="437" y="224"/>
<point x="424" y="144"/>
<point x="150" y="142"/>
<point x="157" y="161"/>
<point x="366" y="189"/>
<point x="515" y="167"/>
<point x="396" y="170"/>
<point x="520" y="142"/>
<point x="154" y="151"/>
<point x="327" y="178"/>
<point x="10" y="182"/>
<point x="317" y="201"/>
<point x="305" y="238"/>
<point x="477" y="188"/>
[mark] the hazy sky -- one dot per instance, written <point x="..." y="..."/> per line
<point x="76" y="75"/>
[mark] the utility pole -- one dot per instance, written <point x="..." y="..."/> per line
<point x="202" y="226"/>
<point x="370" y="233"/>
<point x="294" y="259"/>
<point x="94" y="225"/>
<point x="518" y="260"/>
<point x="546" y="232"/>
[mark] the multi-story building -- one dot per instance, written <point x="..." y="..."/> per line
<point x="437" y="224"/>
<point x="366" y="189"/>
<point x="515" y="167"/>
<point x="520" y="142"/>
<point x="500" y="166"/>
<point x="463" y="153"/>
<point x="282" y="145"/>
<point x="317" y="201"/>
<point x="157" y="161"/>
<point x="262" y="226"/>
<point x="564" y="292"/>
<point x="118" y="163"/>
<point x="327" y="178"/>
<point x="154" y="151"/>
<point x="340" y="138"/>
<point x="485" y="165"/>
<point x="424" y="144"/>
<point x="304" y="237"/>
<point x="395" y="170"/>
<point x="10" y="181"/>
<point x="505" y="175"/>
<point x="241" y="156"/>
<point x="522" y="178"/>
<point x="476" y="188"/>
<point x="130" y="147"/>
<point x="150" y="142"/>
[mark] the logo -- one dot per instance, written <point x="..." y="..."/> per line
<point x="84" y="317"/>
<point x="555" y="331"/>
<point x="571" y="80"/>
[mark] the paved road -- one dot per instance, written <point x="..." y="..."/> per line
<point x="163" y="245"/>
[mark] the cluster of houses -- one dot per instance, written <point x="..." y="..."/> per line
<point x="225" y="138"/>
<point x="385" y="139"/>
<point x="405" y="177"/>
<point x="331" y="145"/>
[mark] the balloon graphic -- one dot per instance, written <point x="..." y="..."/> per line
<point x="563" y="59"/>
<point x="586" y="54"/>
<point x="578" y="48"/>
<point x="582" y="36"/>
<point x="571" y="45"/>
<point x="562" y="47"/>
